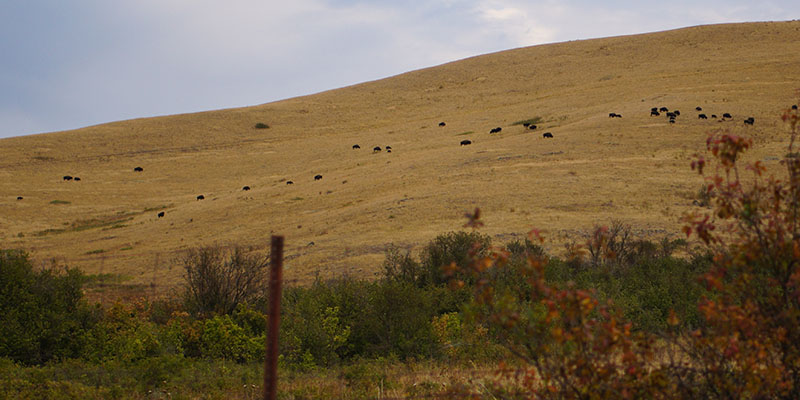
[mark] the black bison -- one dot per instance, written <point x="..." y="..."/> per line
<point x="714" y="116"/>
<point x="246" y="188"/>
<point x="161" y="214"/>
<point x="201" y="197"/>
<point x="532" y="127"/>
<point x="496" y="130"/>
<point x="676" y="112"/>
<point x="19" y="197"/>
<point x="672" y="120"/>
<point x="317" y="177"/>
<point x="698" y="108"/>
<point x="388" y="147"/>
<point x="702" y="116"/>
<point x="466" y="142"/>
<point x="663" y="109"/>
<point x="794" y="107"/>
<point x="614" y="115"/>
<point x="67" y="178"/>
<point x="726" y="115"/>
<point x="376" y="149"/>
<point x="750" y="121"/>
<point x="547" y="135"/>
<point x="76" y="179"/>
<point x="289" y="183"/>
<point x="138" y="169"/>
<point x="654" y="113"/>
<point x="355" y="146"/>
<point x="654" y="109"/>
<point x="442" y="124"/>
<point x="672" y="115"/>
<point x="526" y="124"/>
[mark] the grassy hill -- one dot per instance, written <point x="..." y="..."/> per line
<point x="596" y="168"/>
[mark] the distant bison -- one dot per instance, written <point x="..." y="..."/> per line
<point x="532" y="127"/>
<point x="794" y="107"/>
<point x="714" y="116"/>
<point x="76" y="178"/>
<point x="654" y="113"/>
<point x="442" y="124"/>
<point x="355" y="146"/>
<point x="317" y="177"/>
<point x="201" y="197"/>
<point x="19" y="197"/>
<point x="466" y="142"/>
<point x="161" y="214"/>
<point x="698" y="108"/>
<point x="376" y="149"/>
<point x="750" y="121"/>
<point x="663" y="109"/>
<point x="289" y="183"/>
<point x="246" y="188"/>
<point x="702" y="116"/>
<point x="496" y="130"/>
<point x="547" y="135"/>
<point x="726" y="115"/>
<point x="526" y="124"/>
<point x="388" y="147"/>
<point x="67" y="178"/>
<point x="671" y="115"/>
<point x="676" y="112"/>
<point x="138" y="169"/>
<point x="614" y="115"/>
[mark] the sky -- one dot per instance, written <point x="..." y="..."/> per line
<point x="71" y="64"/>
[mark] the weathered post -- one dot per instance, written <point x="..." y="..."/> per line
<point x="274" y="314"/>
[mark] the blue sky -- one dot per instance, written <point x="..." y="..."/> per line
<point x="70" y="64"/>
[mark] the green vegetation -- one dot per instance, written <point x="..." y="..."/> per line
<point x="60" y="202"/>
<point x="97" y="251"/>
<point x="465" y="133"/>
<point x="534" y="121"/>
<point x="261" y="125"/>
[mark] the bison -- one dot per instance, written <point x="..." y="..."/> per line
<point x="67" y="178"/>
<point x="19" y="197"/>
<point x="76" y="179"/>
<point x="355" y="146"/>
<point x="496" y="130"/>
<point x="246" y="188"/>
<point x="161" y="214"/>
<point x="466" y="142"/>
<point x="547" y="135"/>
<point x="654" y="113"/>
<point x="442" y="124"/>
<point x="726" y="115"/>
<point x="201" y="197"/>
<point x="138" y="169"/>
<point x="289" y="183"/>
<point x="750" y="121"/>
<point x="663" y="109"/>
<point x="376" y="149"/>
<point x="698" y="108"/>
<point x="317" y="177"/>
<point x="532" y="127"/>
<point x="702" y="116"/>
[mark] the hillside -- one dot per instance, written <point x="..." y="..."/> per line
<point x="595" y="168"/>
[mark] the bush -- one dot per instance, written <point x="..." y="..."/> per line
<point x="42" y="313"/>
<point x="217" y="280"/>
<point x="261" y="125"/>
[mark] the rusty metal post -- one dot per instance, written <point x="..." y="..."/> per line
<point x="274" y="315"/>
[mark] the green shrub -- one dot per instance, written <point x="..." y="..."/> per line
<point x="224" y="339"/>
<point x="261" y="125"/>
<point x="42" y="313"/>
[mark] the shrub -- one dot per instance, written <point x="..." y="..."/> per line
<point x="261" y="125"/>
<point x="223" y="338"/>
<point x="42" y="313"/>
<point x="217" y="280"/>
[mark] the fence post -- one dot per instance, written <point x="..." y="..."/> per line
<point x="274" y="314"/>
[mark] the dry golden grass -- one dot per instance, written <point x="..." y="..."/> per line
<point x="635" y="169"/>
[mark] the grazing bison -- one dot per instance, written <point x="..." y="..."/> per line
<point x="496" y="130"/>
<point x="672" y="120"/>
<point x="76" y="179"/>
<point x="201" y="197"/>
<point x="672" y="115"/>
<point x="466" y="142"/>
<point x="547" y="135"/>
<point x="654" y="113"/>
<point x="67" y="178"/>
<point x="138" y="169"/>
<point x="726" y="115"/>
<point x="388" y="147"/>
<point x="161" y="214"/>
<point x="19" y="197"/>
<point x="246" y="188"/>
<point x="654" y="109"/>
<point x="526" y="124"/>
<point x="750" y="121"/>
<point x="614" y="115"/>
<point x="289" y="183"/>
<point x="355" y="146"/>
<point x="702" y="116"/>
<point x="532" y="127"/>
<point x="376" y="149"/>
<point x="714" y="116"/>
<point x="676" y="112"/>
<point x="663" y="109"/>
<point x="442" y="124"/>
<point x="698" y="108"/>
<point x="317" y="177"/>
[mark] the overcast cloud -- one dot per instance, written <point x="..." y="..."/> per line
<point x="70" y="64"/>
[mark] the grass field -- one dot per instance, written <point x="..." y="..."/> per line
<point x="634" y="169"/>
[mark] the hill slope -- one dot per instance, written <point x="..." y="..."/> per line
<point x="596" y="168"/>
